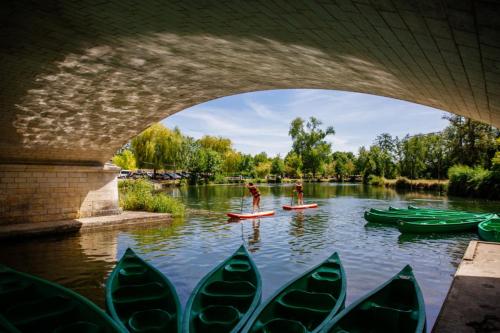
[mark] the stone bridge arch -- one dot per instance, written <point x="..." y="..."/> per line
<point x="81" y="77"/>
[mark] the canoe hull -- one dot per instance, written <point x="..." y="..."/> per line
<point x="397" y="305"/>
<point x="251" y="215"/>
<point x="417" y="228"/>
<point x="140" y="297"/>
<point x="288" y="207"/>
<point x="311" y="299"/>
<point x="32" y="304"/>
<point x="224" y="298"/>
<point x="490" y="230"/>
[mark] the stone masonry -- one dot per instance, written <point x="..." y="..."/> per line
<point x="37" y="193"/>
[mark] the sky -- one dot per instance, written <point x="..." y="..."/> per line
<point x="259" y="121"/>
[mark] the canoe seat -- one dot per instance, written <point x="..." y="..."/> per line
<point x="151" y="321"/>
<point x="133" y="274"/>
<point x="237" y="293"/>
<point x="309" y="307"/>
<point x="130" y="299"/>
<point x="44" y="312"/>
<point x="217" y="318"/>
<point x="237" y="270"/>
<point x="389" y="319"/>
<point x="283" y="325"/>
<point x="325" y="281"/>
<point x="79" y="327"/>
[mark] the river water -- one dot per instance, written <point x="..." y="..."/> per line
<point x="282" y="246"/>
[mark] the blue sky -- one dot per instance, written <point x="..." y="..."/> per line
<point x="259" y="121"/>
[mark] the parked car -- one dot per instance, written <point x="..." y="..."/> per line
<point x="124" y="174"/>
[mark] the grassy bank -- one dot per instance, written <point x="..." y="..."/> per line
<point x="404" y="183"/>
<point x="139" y="195"/>
<point x="474" y="182"/>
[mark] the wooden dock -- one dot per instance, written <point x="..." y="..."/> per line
<point x="473" y="301"/>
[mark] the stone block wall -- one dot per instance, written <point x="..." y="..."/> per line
<point x="38" y="193"/>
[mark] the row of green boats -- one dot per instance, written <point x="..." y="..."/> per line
<point x="141" y="299"/>
<point x="427" y="220"/>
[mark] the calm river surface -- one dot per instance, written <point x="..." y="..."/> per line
<point x="282" y="246"/>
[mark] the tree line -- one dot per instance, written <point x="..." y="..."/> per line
<point x="462" y="142"/>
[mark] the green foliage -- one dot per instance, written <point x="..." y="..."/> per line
<point x="157" y="147"/>
<point x="125" y="160"/>
<point x="260" y="158"/>
<point x="263" y="169"/>
<point x="216" y="143"/>
<point x="478" y="182"/>
<point x="309" y="143"/>
<point x="376" y="180"/>
<point x="277" y="166"/>
<point x="206" y="162"/>
<point x="138" y="195"/>
<point x="293" y="165"/>
<point x="342" y="165"/>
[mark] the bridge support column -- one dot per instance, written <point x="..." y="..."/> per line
<point x="38" y="193"/>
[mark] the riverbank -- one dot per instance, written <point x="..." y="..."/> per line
<point x="403" y="183"/>
<point x="126" y="218"/>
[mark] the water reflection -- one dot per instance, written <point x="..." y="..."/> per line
<point x="283" y="245"/>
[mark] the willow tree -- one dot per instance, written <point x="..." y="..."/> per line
<point x="125" y="160"/>
<point x="157" y="148"/>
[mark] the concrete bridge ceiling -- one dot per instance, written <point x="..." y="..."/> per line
<point x="79" y="78"/>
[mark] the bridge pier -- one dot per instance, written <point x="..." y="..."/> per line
<point x="39" y="193"/>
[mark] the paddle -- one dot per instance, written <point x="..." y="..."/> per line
<point x="291" y="201"/>
<point x="242" y="196"/>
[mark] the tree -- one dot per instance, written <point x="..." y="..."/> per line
<point x="260" y="157"/>
<point x="206" y="162"/>
<point x="125" y="160"/>
<point x="231" y="161"/>
<point x="247" y="164"/>
<point x="414" y="154"/>
<point x="263" y="169"/>
<point x="293" y="165"/>
<point x="277" y="166"/>
<point x="216" y="143"/>
<point x="309" y="143"/>
<point x="343" y="164"/>
<point x="157" y="147"/>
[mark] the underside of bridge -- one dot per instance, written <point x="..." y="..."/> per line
<point x="81" y="77"/>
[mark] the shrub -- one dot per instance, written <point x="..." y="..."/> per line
<point x="475" y="182"/>
<point x="139" y="195"/>
<point x="376" y="180"/>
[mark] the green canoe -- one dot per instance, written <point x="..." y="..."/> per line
<point x="141" y="298"/>
<point x="31" y="304"/>
<point x="226" y="297"/>
<point x="490" y="230"/>
<point x="432" y="213"/>
<point x="397" y="306"/>
<point x="379" y="217"/>
<point x="427" y="226"/>
<point x="304" y="303"/>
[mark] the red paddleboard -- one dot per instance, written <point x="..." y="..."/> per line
<point x="288" y="207"/>
<point x="250" y="215"/>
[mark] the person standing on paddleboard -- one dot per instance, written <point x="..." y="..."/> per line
<point x="254" y="191"/>
<point x="300" y="192"/>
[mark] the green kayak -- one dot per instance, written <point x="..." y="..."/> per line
<point x="226" y="297"/>
<point x="490" y="230"/>
<point x="141" y="298"/>
<point x="397" y="306"/>
<point x="304" y="303"/>
<point x="427" y="226"/>
<point x="31" y="304"/>
<point x="423" y="213"/>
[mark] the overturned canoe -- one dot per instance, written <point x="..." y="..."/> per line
<point x="31" y="304"/>
<point x="397" y="306"/>
<point x="141" y="298"/>
<point x="303" y="304"/>
<point x="226" y="297"/>
<point x="490" y="230"/>
<point x="288" y="207"/>
<point x="429" y="226"/>
<point x="250" y="215"/>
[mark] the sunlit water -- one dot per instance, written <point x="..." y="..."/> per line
<point x="282" y="246"/>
